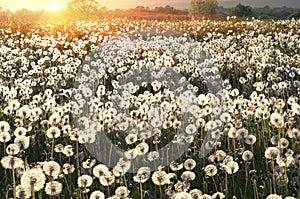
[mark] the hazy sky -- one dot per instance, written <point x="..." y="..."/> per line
<point x="111" y="4"/>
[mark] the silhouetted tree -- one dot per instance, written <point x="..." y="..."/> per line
<point x="243" y="11"/>
<point x="203" y="7"/>
<point x="83" y="9"/>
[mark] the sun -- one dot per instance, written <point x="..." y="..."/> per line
<point x="54" y="6"/>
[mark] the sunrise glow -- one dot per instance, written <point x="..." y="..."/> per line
<point x="54" y="6"/>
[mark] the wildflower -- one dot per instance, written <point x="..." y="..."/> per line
<point x="189" y="164"/>
<point x="283" y="143"/>
<point x="10" y="162"/>
<point x="231" y="167"/>
<point x="4" y="126"/>
<point x="107" y="179"/>
<point x="84" y="181"/>
<point x="159" y="177"/>
<point x="68" y="151"/>
<point x="53" y="188"/>
<point x="5" y="137"/>
<point x="100" y="170"/>
<point x="89" y="163"/>
<point x="218" y="195"/>
<point x="12" y="149"/>
<point x="273" y="196"/>
<point x="188" y="176"/>
<point x="182" y="195"/>
<point x="22" y="192"/>
<point x="142" y="148"/>
<point x="142" y="175"/>
<point x="195" y="193"/>
<point x="22" y="141"/>
<point x="52" y="169"/>
<point x="271" y="152"/>
<point x="19" y="131"/>
<point x="247" y="155"/>
<point x="97" y="195"/>
<point x="191" y="129"/>
<point x="68" y="168"/>
<point x="122" y="192"/>
<point x="210" y="170"/>
<point x="33" y="179"/>
<point x="53" y="132"/>
<point x="250" y="139"/>
<point x="174" y="166"/>
<point x="131" y="138"/>
<point x="277" y="120"/>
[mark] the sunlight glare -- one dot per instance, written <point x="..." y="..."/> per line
<point x="54" y="6"/>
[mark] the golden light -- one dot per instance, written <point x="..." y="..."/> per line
<point x="54" y="6"/>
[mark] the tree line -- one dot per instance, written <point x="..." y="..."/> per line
<point x="92" y="9"/>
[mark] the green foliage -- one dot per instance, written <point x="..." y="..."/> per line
<point x="243" y="11"/>
<point x="83" y="9"/>
<point x="203" y="7"/>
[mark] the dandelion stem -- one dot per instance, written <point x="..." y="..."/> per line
<point x="215" y="183"/>
<point x="141" y="190"/>
<point x="273" y="176"/>
<point x="52" y="148"/>
<point x="14" y="182"/>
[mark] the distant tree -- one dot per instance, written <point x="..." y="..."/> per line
<point x="203" y="7"/>
<point x="243" y="11"/>
<point x="83" y="9"/>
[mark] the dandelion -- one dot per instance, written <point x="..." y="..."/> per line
<point x="33" y="179"/>
<point x="122" y="192"/>
<point x="22" y="192"/>
<point x="68" y="151"/>
<point x="100" y="170"/>
<point x="97" y="195"/>
<point x="273" y="196"/>
<point x="52" y="169"/>
<point x="53" y="132"/>
<point x="159" y="177"/>
<point x="107" y="179"/>
<point x="247" y="155"/>
<point x="22" y="141"/>
<point x="196" y="193"/>
<point x="283" y="143"/>
<point x="142" y="148"/>
<point x="277" y="120"/>
<point x="4" y="126"/>
<point x="182" y="195"/>
<point x="142" y="175"/>
<point x="218" y="195"/>
<point x="191" y="129"/>
<point x="20" y="131"/>
<point x="271" y="152"/>
<point x="231" y="167"/>
<point x="5" y="137"/>
<point x="189" y="164"/>
<point x="175" y="166"/>
<point x="84" y="181"/>
<point x="88" y="163"/>
<point x="250" y="139"/>
<point x="210" y="170"/>
<point x="10" y="162"/>
<point x="188" y="176"/>
<point x="68" y="168"/>
<point x="131" y="138"/>
<point x="53" y="188"/>
<point x="12" y="149"/>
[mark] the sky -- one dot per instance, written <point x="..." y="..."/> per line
<point x="112" y="4"/>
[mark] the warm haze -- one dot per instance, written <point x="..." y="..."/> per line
<point x="53" y="5"/>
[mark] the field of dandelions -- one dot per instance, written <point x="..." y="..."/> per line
<point x="256" y="155"/>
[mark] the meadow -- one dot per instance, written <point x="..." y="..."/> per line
<point x="254" y="131"/>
